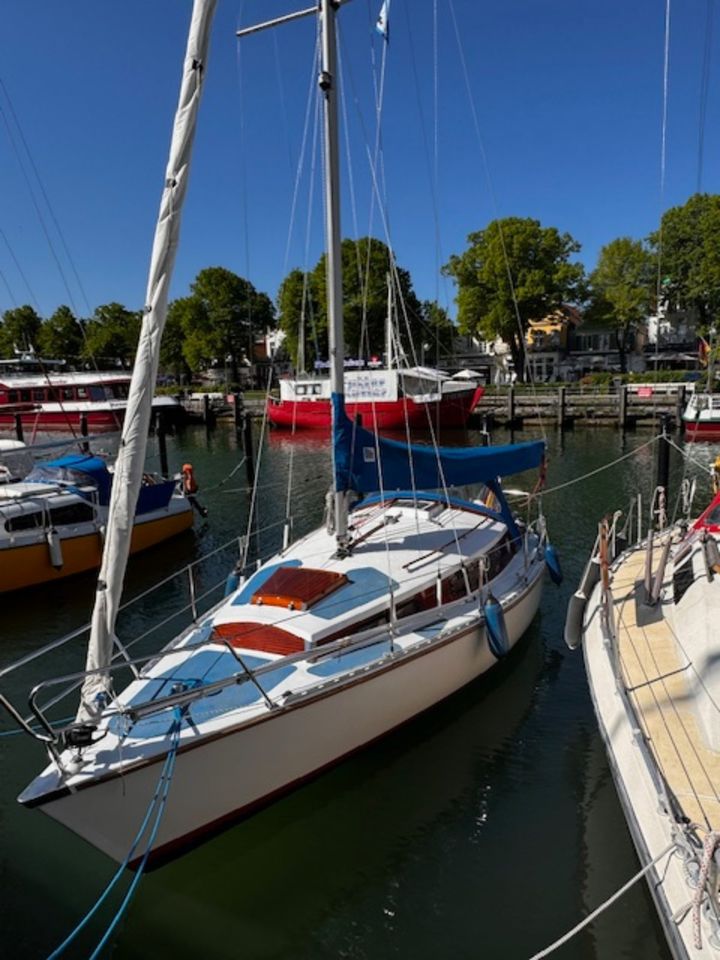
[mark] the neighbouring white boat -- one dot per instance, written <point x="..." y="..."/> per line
<point x="701" y="417"/>
<point x="412" y="591"/>
<point x="648" y="618"/>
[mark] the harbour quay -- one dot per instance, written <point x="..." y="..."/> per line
<point x="569" y="405"/>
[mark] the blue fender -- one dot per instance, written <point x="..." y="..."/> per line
<point x="232" y="582"/>
<point x="495" y="628"/>
<point x="552" y="561"/>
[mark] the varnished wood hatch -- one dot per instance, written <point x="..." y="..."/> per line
<point x="297" y="588"/>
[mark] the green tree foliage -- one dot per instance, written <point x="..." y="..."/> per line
<point x="689" y="249"/>
<point x="365" y="267"/>
<point x="172" y="345"/>
<point x="19" y="330"/>
<point x="61" y="336"/>
<point x="221" y="318"/>
<point x="438" y="333"/>
<point x="622" y="289"/>
<point x="543" y="278"/>
<point x="111" y="335"/>
<point x="298" y="311"/>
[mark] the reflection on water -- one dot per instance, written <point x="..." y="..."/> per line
<point x="486" y="827"/>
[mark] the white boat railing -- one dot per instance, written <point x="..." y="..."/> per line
<point x="39" y="725"/>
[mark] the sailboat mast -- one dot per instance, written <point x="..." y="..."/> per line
<point x="328" y="86"/>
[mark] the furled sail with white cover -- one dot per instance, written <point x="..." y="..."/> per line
<point x="131" y="459"/>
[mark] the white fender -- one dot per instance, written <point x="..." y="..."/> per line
<point x="54" y="548"/>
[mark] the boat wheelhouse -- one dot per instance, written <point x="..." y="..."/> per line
<point x="62" y="401"/>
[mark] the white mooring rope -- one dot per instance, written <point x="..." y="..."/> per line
<point x="603" y="906"/>
<point x="712" y="839"/>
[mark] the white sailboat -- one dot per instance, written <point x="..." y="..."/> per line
<point x="411" y="592"/>
<point x="647" y="616"/>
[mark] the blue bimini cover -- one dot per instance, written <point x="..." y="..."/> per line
<point x="366" y="463"/>
<point x="78" y="469"/>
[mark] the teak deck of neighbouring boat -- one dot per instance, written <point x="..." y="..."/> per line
<point x="659" y="679"/>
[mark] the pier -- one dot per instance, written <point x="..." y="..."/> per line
<point x="568" y="405"/>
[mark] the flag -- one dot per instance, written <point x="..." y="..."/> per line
<point x="383" y="24"/>
<point x="703" y="351"/>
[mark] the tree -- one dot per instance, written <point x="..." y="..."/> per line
<point x="622" y="289"/>
<point x="112" y="334"/>
<point x="172" y="345"/>
<point x="366" y="264"/>
<point x="543" y="278"/>
<point x="298" y="318"/>
<point x="19" y="330"/>
<point x="688" y="246"/>
<point x="222" y="318"/>
<point x="438" y="332"/>
<point x="60" y="336"/>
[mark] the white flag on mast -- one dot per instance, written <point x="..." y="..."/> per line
<point x="383" y="24"/>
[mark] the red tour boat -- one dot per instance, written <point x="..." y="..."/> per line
<point x="383" y="399"/>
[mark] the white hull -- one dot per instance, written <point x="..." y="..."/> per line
<point x="222" y="776"/>
<point x="652" y="824"/>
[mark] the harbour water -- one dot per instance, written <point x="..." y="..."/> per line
<point x="485" y="828"/>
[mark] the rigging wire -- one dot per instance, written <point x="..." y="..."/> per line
<point x="663" y="155"/>
<point x="493" y="197"/>
<point x="704" y="87"/>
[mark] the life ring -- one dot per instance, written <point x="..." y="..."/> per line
<point x="189" y="483"/>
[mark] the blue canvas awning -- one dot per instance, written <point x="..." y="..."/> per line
<point x="366" y="463"/>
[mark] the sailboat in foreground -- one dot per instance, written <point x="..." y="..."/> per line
<point x="411" y="591"/>
<point x="647" y="614"/>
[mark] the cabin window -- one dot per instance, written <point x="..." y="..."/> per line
<point x="96" y="393"/>
<point x="499" y="557"/>
<point x="82" y="393"/>
<point x="25" y="396"/>
<point x="12" y="396"/>
<point x="38" y="395"/>
<point x="72" y="514"/>
<point x="24" y="521"/>
<point x="300" y="390"/>
<point x="68" y="393"/>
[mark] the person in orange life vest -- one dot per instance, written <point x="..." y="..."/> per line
<point x="190" y="488"/>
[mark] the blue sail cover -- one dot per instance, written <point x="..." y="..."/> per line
<point x="402" y="466"/>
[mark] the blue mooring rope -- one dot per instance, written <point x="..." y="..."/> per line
<point x="159" y="800"/>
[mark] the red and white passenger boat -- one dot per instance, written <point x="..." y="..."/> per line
<point x="382" y="399"/>
<point x="701" y="417"/>
<point x="54" y="399"/>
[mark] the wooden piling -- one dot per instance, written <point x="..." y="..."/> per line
<point x="19" y="428"/>
<point x="84" y="446"/>
<point x="622" y="411"/>
<point x="162" y="443"/>
<point x="561" y="407"/>
<point x="680" y="407"/>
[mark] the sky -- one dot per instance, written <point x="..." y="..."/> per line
<point x="550" y="109"/>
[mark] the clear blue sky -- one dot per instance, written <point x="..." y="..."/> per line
<point x="568" y="95"/>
